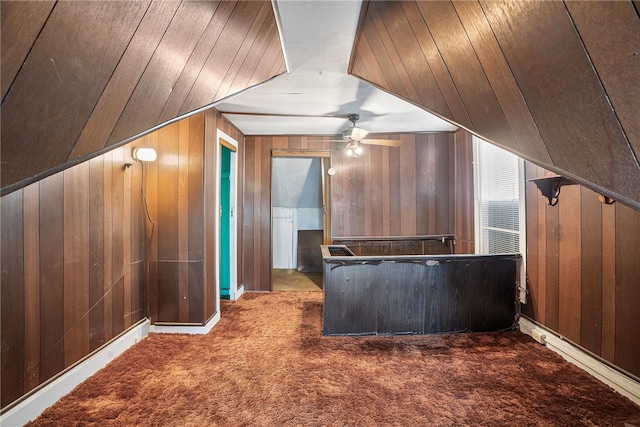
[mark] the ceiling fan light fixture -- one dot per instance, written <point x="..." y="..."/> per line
<point x="357" y="150"/>
<point x="349" y="152"/>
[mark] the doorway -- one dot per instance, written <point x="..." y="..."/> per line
<point x="299" y="220"/>
<point x="226" y="203"/>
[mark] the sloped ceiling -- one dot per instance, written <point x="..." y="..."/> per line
<point x="556" y="82"/>
<point x="80" y="77"/>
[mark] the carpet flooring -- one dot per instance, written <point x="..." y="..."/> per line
<point x="266" y="364"/>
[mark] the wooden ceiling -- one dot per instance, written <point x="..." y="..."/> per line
<point x="81" y="77"/>
<point x="555" y="82"/>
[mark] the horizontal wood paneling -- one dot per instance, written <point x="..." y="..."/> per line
<point x="99" y="73"/>
<point x="384" y="192"/>
<point x="583" y="271"/>
<point x="538" y="79"/>
<point x="68" y="284"/>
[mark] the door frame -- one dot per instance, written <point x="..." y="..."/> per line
<point x="224" y="140"/>
<point x="325" y="165"/>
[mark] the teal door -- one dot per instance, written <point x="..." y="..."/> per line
<point x="225" y="224"/>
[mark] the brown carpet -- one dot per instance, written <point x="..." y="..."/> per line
<point x="266" y="364"/>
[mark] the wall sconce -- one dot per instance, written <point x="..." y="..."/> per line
<point x="144" y="154"/>
<point x="141" y="154"/>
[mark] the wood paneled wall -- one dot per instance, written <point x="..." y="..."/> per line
<point x="403" y="191"/>
<point x="75" y="246"/>
<point x="537" y="78"/>
<point x="583" y="271"/>
<point x="181" y="191"/>
<point x="72" y="268"/>
<point x="91" y="75"/>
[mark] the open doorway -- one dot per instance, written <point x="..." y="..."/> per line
<point x="226" y="203"/>
<point x="298" y="222"/>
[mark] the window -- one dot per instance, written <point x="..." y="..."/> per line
<point x="499" y="208"/>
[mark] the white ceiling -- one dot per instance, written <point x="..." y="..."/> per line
<point x="317" y="38"/>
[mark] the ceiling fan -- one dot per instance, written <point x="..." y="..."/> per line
<point x="354" y="136"/>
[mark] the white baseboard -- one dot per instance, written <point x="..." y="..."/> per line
<point x="621" y="383"/>
<point x="186" y="329"/>
<point x="31" y="407"/>
<point x="238" y="293"/>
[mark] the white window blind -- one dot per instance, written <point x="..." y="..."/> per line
<point x="498" y="205"/>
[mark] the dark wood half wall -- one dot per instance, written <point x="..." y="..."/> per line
<point x="554" y="82"/>
<point x="416" y="189"/>
<point x="79" y="77"/>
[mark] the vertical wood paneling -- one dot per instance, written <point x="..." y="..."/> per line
<point x="168" y="181"/>
<point x="609" y="281"/>
<point x="31" y="285"/>
<point x="385" y="191"/>
<point x="552" y="294"/>
<point x="118" y="232"/>
<point x="627" y="345"/>
<point x="591" y="271"/>
<point x="569" y="271"/>
<point x="196" y="199"/>
<point x="408" y="189"/>
<point x="464" y="193"/>
<point x="583" y="271"/>
<point x="64" y="249"/>
<point x="12" y="293"/>
<point x="183" y="221"/>
<point x="126" y="246"/>
<point x="51" y="276"/>
<point x="108" y="246"/>
<point x="96" y="252"/>
<point x="76" y="263"/>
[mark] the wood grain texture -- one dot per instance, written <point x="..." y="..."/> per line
<point x="31" y="268"/>
<point x="514" y="73"/>
<point x="12" y="293"/>
<point x="581" y="261"/>
<point x="563" y="92"/>
<point x="462" y="294"/>
<point x="627" y="344"/>
<point x="73" y="267"/>
<point x="464" y="193"/>
<point x="117" y="69"/>
<point x="386" y="191"/>
<point x="57" y="90"/>
<point x="613" y="50"/>
<point x="591" y="271"/>
<point x="125" y="77"/>
<point x="21" y="23"/>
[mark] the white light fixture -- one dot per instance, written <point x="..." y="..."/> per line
<point x="144" y="154"/>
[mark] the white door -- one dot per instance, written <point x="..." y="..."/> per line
<point x="284" y="238"/>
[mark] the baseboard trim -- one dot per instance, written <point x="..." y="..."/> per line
<point x="621" y="383"/>
<point x="35" y="404"/>
<point x="184" y="329"/>
<point x="239" y="293"/>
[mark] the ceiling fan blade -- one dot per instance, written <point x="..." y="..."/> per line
<point x="385" y="142"/>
